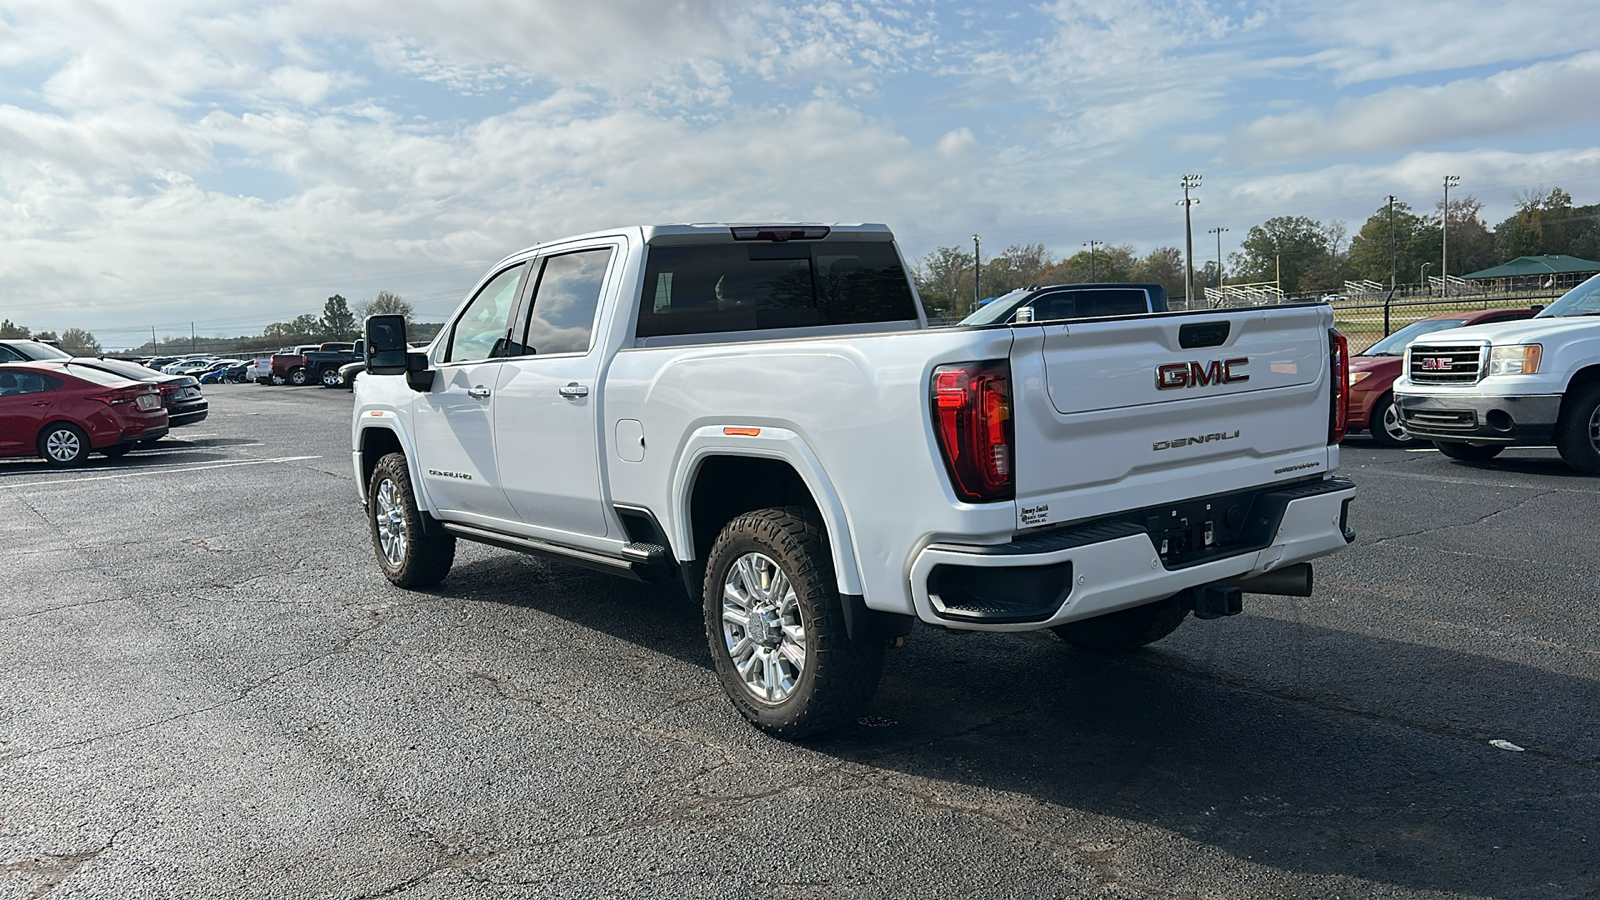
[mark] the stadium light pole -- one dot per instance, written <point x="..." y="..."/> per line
<point x="1189" y="182"/>
<point x="1392" y="262"/>
<point x="1450" y="181"/>
<point x="1091" y="245"/>
<point x="1218" y="232"/>
<point x="977" y="270"/>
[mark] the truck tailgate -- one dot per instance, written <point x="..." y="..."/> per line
<point x="1129" y="413"/>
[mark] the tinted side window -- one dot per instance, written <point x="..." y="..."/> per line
<point x="14" y="383"/>
<point x="565" y="302"/>
<point x="1111" y="302"/>
<point x="1059" y="305"/>
<point x="481" y="331"/>
<point x="752" y="286"/>
<point x="9" y="355"/>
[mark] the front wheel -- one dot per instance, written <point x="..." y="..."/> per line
<point x="64" y="444"/>
<point x="409" y="556"/>
<point x="1127" y="629"/>
<point x="1385" y="425"/>
<point x="775" y="624"/>
<point x="298" y="377"/>
<point x="1468" y="452"/>
<point x="1578" y="432"/>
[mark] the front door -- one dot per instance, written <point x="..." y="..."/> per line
<point x="546" y="413"/>
<point x="454" y="421"/>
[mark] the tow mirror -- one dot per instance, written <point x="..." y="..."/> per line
<point x="385" y="339"/>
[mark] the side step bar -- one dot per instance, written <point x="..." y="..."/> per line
<point x="587" y="558"/>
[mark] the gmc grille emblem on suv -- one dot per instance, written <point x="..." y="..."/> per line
<point x="1195" y="374"/>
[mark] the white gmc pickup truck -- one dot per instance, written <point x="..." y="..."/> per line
<point x="762" y="413"/>
<point x="1535" y="382"/>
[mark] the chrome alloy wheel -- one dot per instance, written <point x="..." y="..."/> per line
<point x="1392" y="425"/>
<point x="762" y="628"/>
<point x="389" y="513"/>
<point x="62" y="445"/>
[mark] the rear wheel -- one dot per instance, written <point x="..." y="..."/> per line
<point x="409" y="556"/>
<point x="64" y="444"/>
<point x="330" y="378"/>
<point x="1578" y="432"/>
<point x="1127" y="629"/>
<point x="1385" y="425"/>
<point x="1468" y="452"/>
<point x="298" y="377"/>
<point x="775" y="624"/>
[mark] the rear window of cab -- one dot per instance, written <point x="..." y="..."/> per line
<point x="714" y="288"/>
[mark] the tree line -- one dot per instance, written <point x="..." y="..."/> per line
<point x="337" y="323"/>
<point x="1303" y="255"/>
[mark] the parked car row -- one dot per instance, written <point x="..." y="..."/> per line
<point x="63" y="410"/>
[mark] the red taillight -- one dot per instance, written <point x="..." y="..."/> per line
<point x="1339" y="365"/>
<point x="972" y="419"/>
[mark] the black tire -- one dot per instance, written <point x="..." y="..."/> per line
<point x="116" y="451"/>
<point x="298" y="377"/>
<point x="330" y="378"/>
<point x="1384" y="424"/>
<point x="837" y="677"/>
<point x="1578" y="431"/>
<point x="1469" y="452"/>
<point x="423" y="559"/>
<point x="64" y="444"/>
<point x="1127" y="629"/>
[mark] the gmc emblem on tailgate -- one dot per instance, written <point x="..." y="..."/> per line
<point x="1194" y="374"/>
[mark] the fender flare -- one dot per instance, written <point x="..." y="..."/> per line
<point x="772" y="443"/>
<point x="388" y="420"/>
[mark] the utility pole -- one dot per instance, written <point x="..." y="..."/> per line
<point x="1218" y="232"/>
<point x="1392" y="258"/>
<point x="1091" y="245"/>
<point x="977" y="270"/>
<point x="155" y="348"/>
<point x="1190" y="182"/>
<point x="1450" y="181"/>
<point x="193" y="347"/>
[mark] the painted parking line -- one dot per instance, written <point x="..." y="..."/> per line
<point x="159" y="470"/>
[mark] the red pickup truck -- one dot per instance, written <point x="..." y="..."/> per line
<point x="292" y="368"/>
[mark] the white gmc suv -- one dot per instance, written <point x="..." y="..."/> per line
<point x="1534" y="382"/>
<point x="762" y="413"/>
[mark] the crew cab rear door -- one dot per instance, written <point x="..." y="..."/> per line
<point x="1131" y="412"/>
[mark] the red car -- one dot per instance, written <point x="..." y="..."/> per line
<point x="62" y="411"/>
<point x="1374" y="370"/>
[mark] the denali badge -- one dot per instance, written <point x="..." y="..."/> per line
<point x="1197" y="439"/>
<point x="1194" y="374"/>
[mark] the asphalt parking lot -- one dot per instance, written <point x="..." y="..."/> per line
<point x="210" y="691"/>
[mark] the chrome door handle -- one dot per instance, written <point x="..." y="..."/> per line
<point x="575" y="390"/>
<point x="478" y="393"/>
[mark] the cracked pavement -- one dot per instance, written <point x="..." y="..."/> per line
<point x="210" y="691"/>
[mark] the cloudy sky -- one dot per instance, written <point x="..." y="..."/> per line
<point x="234" y="163"/>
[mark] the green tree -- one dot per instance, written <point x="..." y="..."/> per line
<point x="1295" y="246"/>
<point x="8" y="331"/>
<point x="46" y="336"/>
<point x="1545" y="222"/>
<point x="944" y="281"/>
<point x="337" y="322"/>
<point x="80" y="343"/>
<point x="306" y="327"/>
<point x="1017" y="266"/>
<point x="1164" y="266"/>
<point x="1114" y="262"/>
<point x="385" y="304"/>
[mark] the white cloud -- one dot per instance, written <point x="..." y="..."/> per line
<point x="1540" y="96"/>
